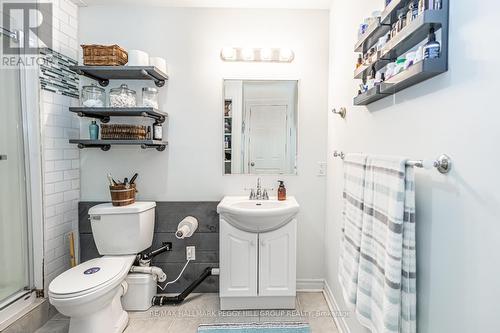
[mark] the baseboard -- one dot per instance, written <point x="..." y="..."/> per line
<point x="310" y="285"/>
<point x="340" y="321"/>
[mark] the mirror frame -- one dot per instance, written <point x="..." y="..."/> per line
<point x="222" y="122"/>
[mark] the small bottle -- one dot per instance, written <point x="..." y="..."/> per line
<point x="226" y="142"/>
<point x="432" y="49"/>
<point x="157" y="131"/>
<point x="281" y="191"/>
<point x="360" y="61"/>
<point x="94" y="130"/>
<point x="421" y="6"/>
<point x="148" y="133"/>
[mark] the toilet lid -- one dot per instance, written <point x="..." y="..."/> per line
<point x="90" y="274"/>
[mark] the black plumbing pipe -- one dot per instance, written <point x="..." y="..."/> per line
<point x="167" y="246"/>
<point x="164" y="300"/>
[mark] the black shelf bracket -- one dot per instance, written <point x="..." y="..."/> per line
<point x="157" y="147"/>
<point x="158" y="83"/>
<point x="158" y="119"/>
<point x="102" y="82"/>
<point x="103" y="147"/>
<point x="103" y="119"/>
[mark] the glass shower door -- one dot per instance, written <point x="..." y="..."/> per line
<point x="14" y="245"/>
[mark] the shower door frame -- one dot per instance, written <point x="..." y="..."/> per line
<point x="18" y="304"/>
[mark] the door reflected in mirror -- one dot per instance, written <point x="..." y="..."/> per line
<point x="260" y="126"/>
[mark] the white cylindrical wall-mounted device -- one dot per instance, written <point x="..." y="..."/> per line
<point x="186" y="227"/>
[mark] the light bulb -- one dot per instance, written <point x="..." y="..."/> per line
<point x="228" y="53"/>
<point x="266" y="54"/>
<point x="247" y="54"/>
<point x="286" y="55"/>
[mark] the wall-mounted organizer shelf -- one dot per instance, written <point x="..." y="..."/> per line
<point x="103" y="74"/>
<point x="414" y="33"/>
<point x="105" y="145"/>
<point x="419" y="72"/>
<point x="371" y="36"/>
<point x="369" y="97"/>
<point x="104" y="113"/>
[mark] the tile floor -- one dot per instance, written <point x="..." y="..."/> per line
<point x="204" y="308"/>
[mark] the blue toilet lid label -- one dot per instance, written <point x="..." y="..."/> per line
<point x="92" y="270"/>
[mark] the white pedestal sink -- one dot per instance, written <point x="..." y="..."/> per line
<point x="257" y="253"/>
<point x="258" y="215"/>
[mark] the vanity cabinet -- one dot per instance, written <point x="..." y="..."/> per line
<point x="277" y="261"/>
<point x="257" y="270"/>
<point x="238" y="261"/>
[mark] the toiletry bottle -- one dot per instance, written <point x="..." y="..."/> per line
<point x="432" y="49"/>
<point x="360" y="61"/>
<point x="157" y="131"/>
<point x="281" y="191"/>
<point x="94" y="130"/>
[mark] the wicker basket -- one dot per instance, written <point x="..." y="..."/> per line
<point x="121" y="195"/>
<point x="123" y="132"/>
<point x="102" y="55"/>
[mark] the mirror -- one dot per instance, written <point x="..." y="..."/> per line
<point x="260" y="127"/>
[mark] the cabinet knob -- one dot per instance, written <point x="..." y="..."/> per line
<point x="252" y="243"/>
<point x="263" y="243"/>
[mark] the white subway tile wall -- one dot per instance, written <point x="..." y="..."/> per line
<point x="61" y="161"/>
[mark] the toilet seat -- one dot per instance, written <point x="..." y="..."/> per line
<point x="95" y="275"/>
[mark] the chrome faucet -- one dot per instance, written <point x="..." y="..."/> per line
<point x="259" y="193"/>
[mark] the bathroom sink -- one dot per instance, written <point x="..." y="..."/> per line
<point x="257" y="215"/>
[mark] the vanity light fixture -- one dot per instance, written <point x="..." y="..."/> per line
<point x="286" y="55"/>
<point x="257" y="54"/>
<point x="228" y="53"/>
<point x="266" y="54"/>
<point x="248" y="54"/>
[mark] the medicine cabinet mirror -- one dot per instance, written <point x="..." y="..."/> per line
<point x="260" y="127"/>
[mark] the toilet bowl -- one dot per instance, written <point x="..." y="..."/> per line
<point x="90" y="293"/>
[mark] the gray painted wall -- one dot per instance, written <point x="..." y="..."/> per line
<point x="168" y="215"/>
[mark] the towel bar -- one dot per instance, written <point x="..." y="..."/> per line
<point x="442" y="163"/>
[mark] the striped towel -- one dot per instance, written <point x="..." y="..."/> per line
<point x="354" y="189"/>
<point x="384" y="246"/>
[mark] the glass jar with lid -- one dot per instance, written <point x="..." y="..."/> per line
<point x="93" y="96"/>
<point x="122" y="97"/>
<point x="150" y="97"/>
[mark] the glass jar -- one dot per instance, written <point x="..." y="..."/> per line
<point x="122" y="97"/>
<point x="150" y="97"/>
<point x="93" y="96"/>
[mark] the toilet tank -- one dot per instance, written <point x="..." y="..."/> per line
<point x="123" y="230"/>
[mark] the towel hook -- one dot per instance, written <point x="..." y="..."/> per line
<point x="342" y="112"/>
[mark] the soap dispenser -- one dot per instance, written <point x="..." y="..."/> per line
<point x="281" y="191"/>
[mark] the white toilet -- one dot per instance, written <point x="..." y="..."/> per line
<point x="90" y="293"/>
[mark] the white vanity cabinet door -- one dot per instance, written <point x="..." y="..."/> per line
<point x="277" y="261"/>
<point x="238" y="261"/>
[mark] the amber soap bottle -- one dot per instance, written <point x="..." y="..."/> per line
<point x="281" y="191"/>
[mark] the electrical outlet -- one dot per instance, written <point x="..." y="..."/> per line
<point x="190" y="253"/>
